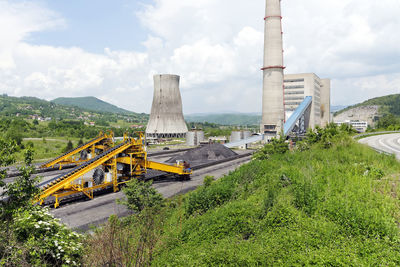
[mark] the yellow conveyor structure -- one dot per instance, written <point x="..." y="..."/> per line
<point x="117" y="165"/>
<point x="100" y="143"/>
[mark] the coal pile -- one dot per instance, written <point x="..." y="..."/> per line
<point x="204" y="154"/>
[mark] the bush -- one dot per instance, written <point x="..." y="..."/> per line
<point x="208" y="180"/>
<point x="275" y="146"/>
<point x="205" y="198"/>
<point x="141" y="195"/>
<point x="40" y="240"/>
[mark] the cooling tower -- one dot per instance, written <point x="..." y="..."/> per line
<point x="166" y="117"/>
<point x="273" y="113"/>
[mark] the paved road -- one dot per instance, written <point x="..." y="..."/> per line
<point x="388" y="142"/>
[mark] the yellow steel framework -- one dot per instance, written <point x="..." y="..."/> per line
<point x="102" y="142"/>
<point x="130" y="156"/>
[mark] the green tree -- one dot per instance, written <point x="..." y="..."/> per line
<point x="141" y="195"/>
<point x="69" y="146"/>
<point x="29" y="235"/>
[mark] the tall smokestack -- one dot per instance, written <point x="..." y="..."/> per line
<point x="273" y="112"/>
<point x="166" y="118"/>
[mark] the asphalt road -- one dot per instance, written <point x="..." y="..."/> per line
<point x="389" y="143"/>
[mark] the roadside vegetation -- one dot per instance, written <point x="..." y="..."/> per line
<point x="29" y="235"/>
<point x="330" y="201"/>
<point x="327" y="201"/>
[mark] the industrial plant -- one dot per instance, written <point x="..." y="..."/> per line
<point x="291" y="101"/>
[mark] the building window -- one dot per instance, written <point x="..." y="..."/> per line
<point x="292" y="103"/>
<point x="294" y="98"/>
<point x="294" y="86"/>
<point x="294" y="92"/>
<point x="294" y="80"/>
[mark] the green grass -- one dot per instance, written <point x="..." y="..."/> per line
<point x="47" y="148"/>
<point x="337" y="206"/>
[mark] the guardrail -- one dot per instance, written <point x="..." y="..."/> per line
<point x="374" y="133"/>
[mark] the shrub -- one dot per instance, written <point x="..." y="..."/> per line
<point x="141" y="195"/>
<point x="205" y="198"/>
<point x="40" y="240"/>
<point x="275" y="146"/>
<point x="208" y="180"/>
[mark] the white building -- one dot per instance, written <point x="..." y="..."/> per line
<point x="298" y="86"/>
<point x="359" y="126"/>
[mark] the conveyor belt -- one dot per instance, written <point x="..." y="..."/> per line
<point x="74" y="170"/>
<point x="73" y="151"/>
<point x="61" y="181"/>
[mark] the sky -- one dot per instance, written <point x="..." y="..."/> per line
<point x="112" y="49"/>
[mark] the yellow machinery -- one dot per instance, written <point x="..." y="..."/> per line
<point x="111" y="168"/>
<point x="84" y="152"/>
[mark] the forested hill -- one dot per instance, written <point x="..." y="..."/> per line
<point x="32" y="107"/>
<point x="226" y="119"/>
<point x="90" y="103"/>
<point x="389" y="104"/>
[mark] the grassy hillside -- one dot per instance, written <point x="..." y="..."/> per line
<point x="29" y="107"/>
<point x="389" y="104"/>
<point x="90" y="103"/>
<point x="335" y="203"/>
<point x="226" y="119"/>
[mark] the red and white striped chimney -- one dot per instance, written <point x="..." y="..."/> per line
<point x="273" y="112"/>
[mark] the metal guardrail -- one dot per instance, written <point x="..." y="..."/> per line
<point x="374" y="133"/>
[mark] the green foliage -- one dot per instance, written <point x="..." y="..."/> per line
<point x="389" y="122"/>
<point x="389" y="103"/>
<point x="208" y="180"/>
<point x="90" y="103"/>
<point x="226" y="119"/>
<point x="330" y="204"/>
<point x="80" y="142"/>
<point x="69" y="146"/>
<point x="275" y="146"/>
<point x="208" y="197"/>
<point x="141" y="195"/>
<point x="29" y="235"/>
<point x="40" y="240"/>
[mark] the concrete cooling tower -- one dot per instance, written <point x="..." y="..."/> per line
<point x="166" y="117"/>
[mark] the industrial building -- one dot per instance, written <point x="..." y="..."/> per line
<point x="298" y="86"/>
<point x="194" y="138"/>
<point x="166" y="117"/>
<point x="359" y="126"/>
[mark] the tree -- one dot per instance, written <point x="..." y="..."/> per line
<point x="141" y="195"/>
<point x="69" y="146"/>
<point x="29" y="235"/>
<point x="130" y="242"/>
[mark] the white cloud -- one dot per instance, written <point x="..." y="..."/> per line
<point x="216" y="47"/>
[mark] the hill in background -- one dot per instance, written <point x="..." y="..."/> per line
<point x="226" y="119"/>
<point x="389" y="104"/>
<point x="32" y="107"/>
<point x="371" y="110"/>
<point x="90" y="103"/>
